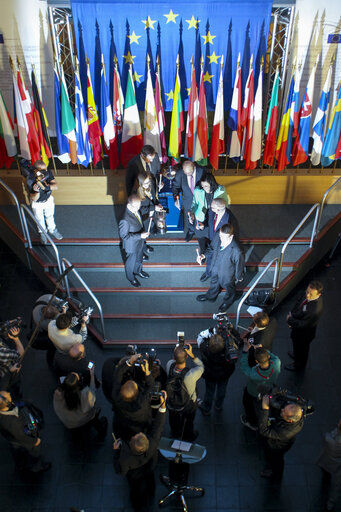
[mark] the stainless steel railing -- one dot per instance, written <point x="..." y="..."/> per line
<point x="316" y="207"/>
<point x="14" y="197"/>
<point x="26" y="211"/>
<point x="325" y="195"/>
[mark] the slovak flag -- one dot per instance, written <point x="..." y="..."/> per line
<point x="301" y="144"/>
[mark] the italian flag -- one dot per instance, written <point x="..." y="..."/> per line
<point x="132" y="141"/>
<point x="218" y="134"/>
<point x="67" y="120"/>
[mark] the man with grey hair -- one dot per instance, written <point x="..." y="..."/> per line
<point x="185" y="182"/>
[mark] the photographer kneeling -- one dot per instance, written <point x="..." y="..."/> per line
<point x="278" y="434"/>
<point x="218" y="369"/>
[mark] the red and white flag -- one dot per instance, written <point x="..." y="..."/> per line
<point x="192" y="118"/>
<point x="218" y="133"/>
<point x="201" y="142"/>
<point x="247" y="118"/>
<point x="256" y="144"/>
<point x="160" y="118"/>
<point x="25" y="109"/>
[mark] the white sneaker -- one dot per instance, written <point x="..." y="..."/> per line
<point x="56" y="234"/>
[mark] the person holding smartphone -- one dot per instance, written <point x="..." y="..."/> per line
<point x="75" y="405"/>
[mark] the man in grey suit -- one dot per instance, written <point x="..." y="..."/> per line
<point x="147" y="161"/>
<point x="227" y="267"/>
<point x="185" y="181"/>
<point x="133" y="237"/>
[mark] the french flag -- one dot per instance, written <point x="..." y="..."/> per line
<point x="234" y="119"/>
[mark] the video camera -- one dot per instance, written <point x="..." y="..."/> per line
<point x="151" y="356"/>
<point x="9" y="324"/>
<point x="85" y="311"/>
<point x="280" y="397"/>
<point x="230" y="335"/>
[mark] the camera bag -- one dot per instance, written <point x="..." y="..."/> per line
<point x="261" y="297"/>
<point x="178" y="398"/>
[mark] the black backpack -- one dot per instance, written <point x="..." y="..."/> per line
<point x="178" y="398"/>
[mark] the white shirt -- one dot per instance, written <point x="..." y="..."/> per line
<point x="64" y="339"/>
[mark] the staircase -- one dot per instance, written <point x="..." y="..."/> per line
<point x="166" y="302"/>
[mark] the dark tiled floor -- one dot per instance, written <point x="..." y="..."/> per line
<point x="82" y="475"/>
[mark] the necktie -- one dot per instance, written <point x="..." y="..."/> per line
<point x="147" y="167"/>
<point x="192" y="183"/>
<point x="138" y="217"/>
<point x="303" y="303"/>
<point x="215" y="221"/>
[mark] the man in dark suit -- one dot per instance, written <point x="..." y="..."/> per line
<point x="185" y="181"/>
<point x="147" y="161"/>
<point x="133" y="237"/>
<point x="218" y="215"/>
<point x="137" y="460"/>
<point x="303" y="320"/>
<point x="261" y="332"/>
<point x="227" y="267"/>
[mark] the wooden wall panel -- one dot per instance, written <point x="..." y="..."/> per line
<point x="108" y="189"/>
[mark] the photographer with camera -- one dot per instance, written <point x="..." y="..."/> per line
<point x="181" y="391"/>
<point x="44" y="313"/>
<point x="11" y="349"/>
<point x="136" y="459"/>
<point x="62" y="336"/>
<point x="131" y="396"/>
<point x="40" y="183"/>
<point x="262" y="376"/>
<point x="22" y="432"/>
<point x="278" y="434"/>
<point x="74" y="404"/>
<point x="218" y="368"/>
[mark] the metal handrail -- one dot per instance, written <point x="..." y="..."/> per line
<point x="14" y="197"/>
<point x="24" y="209"/>
<point x="324" y="200"/>
<point x="316" y="207"/>
<point x="81" y="280"/>
<point x="252" y="287"/>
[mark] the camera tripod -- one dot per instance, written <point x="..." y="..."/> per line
<point x="179" y="465"/>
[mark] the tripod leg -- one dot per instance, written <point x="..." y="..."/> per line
<point x="165" y="498"/>
<point x="184" y="504"/>
<point x="194" y="488"/>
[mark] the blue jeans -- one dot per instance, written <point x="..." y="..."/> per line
<point x="214" y="388"/>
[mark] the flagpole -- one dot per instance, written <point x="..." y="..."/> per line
<point x="12" y="68"/>
<point x="105" y="78"/>
<point x="48" y="135"/>
<point x="91" y="166"/>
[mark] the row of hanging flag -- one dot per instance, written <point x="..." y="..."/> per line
<point x="86" y="134"/>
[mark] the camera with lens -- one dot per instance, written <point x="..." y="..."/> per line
<point x="280" y="397"/>
<point x="155" y="395"/>
<point x="9" y="324"/>
<point x="85" y="311"/>
<point x="180" y="340"/>
<point x="230" y="335"/>
<point x="62" y="305"/>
